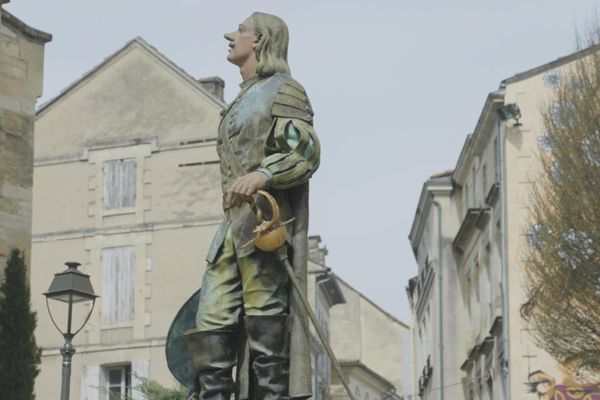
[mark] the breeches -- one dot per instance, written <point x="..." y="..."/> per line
<point x="256" y="284"/>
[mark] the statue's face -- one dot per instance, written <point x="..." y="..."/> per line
<point x="242" y="43"/>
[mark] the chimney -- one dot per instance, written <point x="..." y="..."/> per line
<point x="214" y="85"/>
<point x="316" y="253"/>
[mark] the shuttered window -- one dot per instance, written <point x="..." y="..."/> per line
<point x="117" y="284"/>
<point x="119" y="183"/>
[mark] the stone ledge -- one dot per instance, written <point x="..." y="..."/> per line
<point x="31" y="33"/>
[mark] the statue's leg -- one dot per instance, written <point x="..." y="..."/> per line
<point x="265" y="293"/>
<point x="213" y="354"/>
<point x="213" y="344"/>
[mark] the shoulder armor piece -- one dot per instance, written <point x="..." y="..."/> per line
<point x="291" y="101"/>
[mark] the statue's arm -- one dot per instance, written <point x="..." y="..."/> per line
<point x="297" y="155"/>
<point x="292" y="148"/>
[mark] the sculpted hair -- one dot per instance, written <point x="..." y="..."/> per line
<point x="272" y="48"/>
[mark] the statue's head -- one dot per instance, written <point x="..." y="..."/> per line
<point x="264" y="37"/>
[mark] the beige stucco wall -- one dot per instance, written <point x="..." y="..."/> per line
<point x="21" y="73"/>
<point x="136" y="105"/>
<point x="360" y="330"/>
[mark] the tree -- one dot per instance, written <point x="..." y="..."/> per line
<point x="19" y="354"/>
<point x="563" y="269"/>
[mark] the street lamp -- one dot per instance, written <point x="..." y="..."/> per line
<point x="70" y="286"/>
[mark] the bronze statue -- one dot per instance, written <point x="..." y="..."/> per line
<point x="248" y="315"/>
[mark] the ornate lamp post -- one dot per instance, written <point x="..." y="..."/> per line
<point x="70" y="286"/>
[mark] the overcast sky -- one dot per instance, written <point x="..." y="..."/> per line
<point x="396" y="86"/>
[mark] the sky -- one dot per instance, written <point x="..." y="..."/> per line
<point x="396" y="86"/>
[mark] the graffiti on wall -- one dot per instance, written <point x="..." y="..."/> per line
<point x="546" y="388"/>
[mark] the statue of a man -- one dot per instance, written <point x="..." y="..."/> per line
<point x="265" y="141"/>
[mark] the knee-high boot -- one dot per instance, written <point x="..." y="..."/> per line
<point x="213" y="355"/>
<point x="268" y="343"/>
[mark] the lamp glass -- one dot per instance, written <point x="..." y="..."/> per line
<point x="71" y="284"/>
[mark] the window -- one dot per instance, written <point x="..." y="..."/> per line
<point x="496" y="160"/>
<point x="119" y="183"/>
<point x="474" y="188"/>
<point x="117" y="284"/>
<point x="484" y="181"/>
<point x="465" y="198"/>
<point x="118" y="379"/>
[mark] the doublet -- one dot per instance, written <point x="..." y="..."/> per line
<point x="268" y="127"/>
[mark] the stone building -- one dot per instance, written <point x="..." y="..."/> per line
<point x="468" y="236"/>
<point x="127" y="183"/>
<point x="21" y="73"/>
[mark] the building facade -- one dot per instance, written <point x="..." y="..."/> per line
<point x="21" y="78"/>
<point x="127" y="183"/>
<point x="470" y="230"/>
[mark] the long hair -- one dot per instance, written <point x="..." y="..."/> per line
<point x="272" y="48"/>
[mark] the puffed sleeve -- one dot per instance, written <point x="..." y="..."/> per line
<point x="292" y="149"/>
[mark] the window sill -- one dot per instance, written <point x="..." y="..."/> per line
<point x="118" y="211"/>
<point x="120" y="325"/>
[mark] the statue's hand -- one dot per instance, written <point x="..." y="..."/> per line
<point x="242" y="189"/>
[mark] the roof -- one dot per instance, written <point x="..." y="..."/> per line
<point x="387" y="314"/>
<point x="443" y="174"/>
<point x="28" y="31"/>
<point x="551" y="65"/>
<point x="140" y="43"/>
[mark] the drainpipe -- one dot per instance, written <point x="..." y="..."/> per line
<point x="500" y="136"/>
<point x="436" y="204"/>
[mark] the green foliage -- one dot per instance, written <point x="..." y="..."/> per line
<point x="19" y="354"/>
<point x="152" y="390"/>
<point x="564" y="253"/>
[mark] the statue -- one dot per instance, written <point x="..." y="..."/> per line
<point x="247" y="314"/>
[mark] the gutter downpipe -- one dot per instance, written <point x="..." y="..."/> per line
<point x="500" y="135"/>
<point x="440" y="297"/>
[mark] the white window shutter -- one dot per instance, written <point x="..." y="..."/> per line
<point x="119" y="183"/>
<point x="139" y="371"/>
<point x="90" y="382"/>
<point x="110" y="193"/>
<point x="128" y="169"/>
<point x="117" y="284"/>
